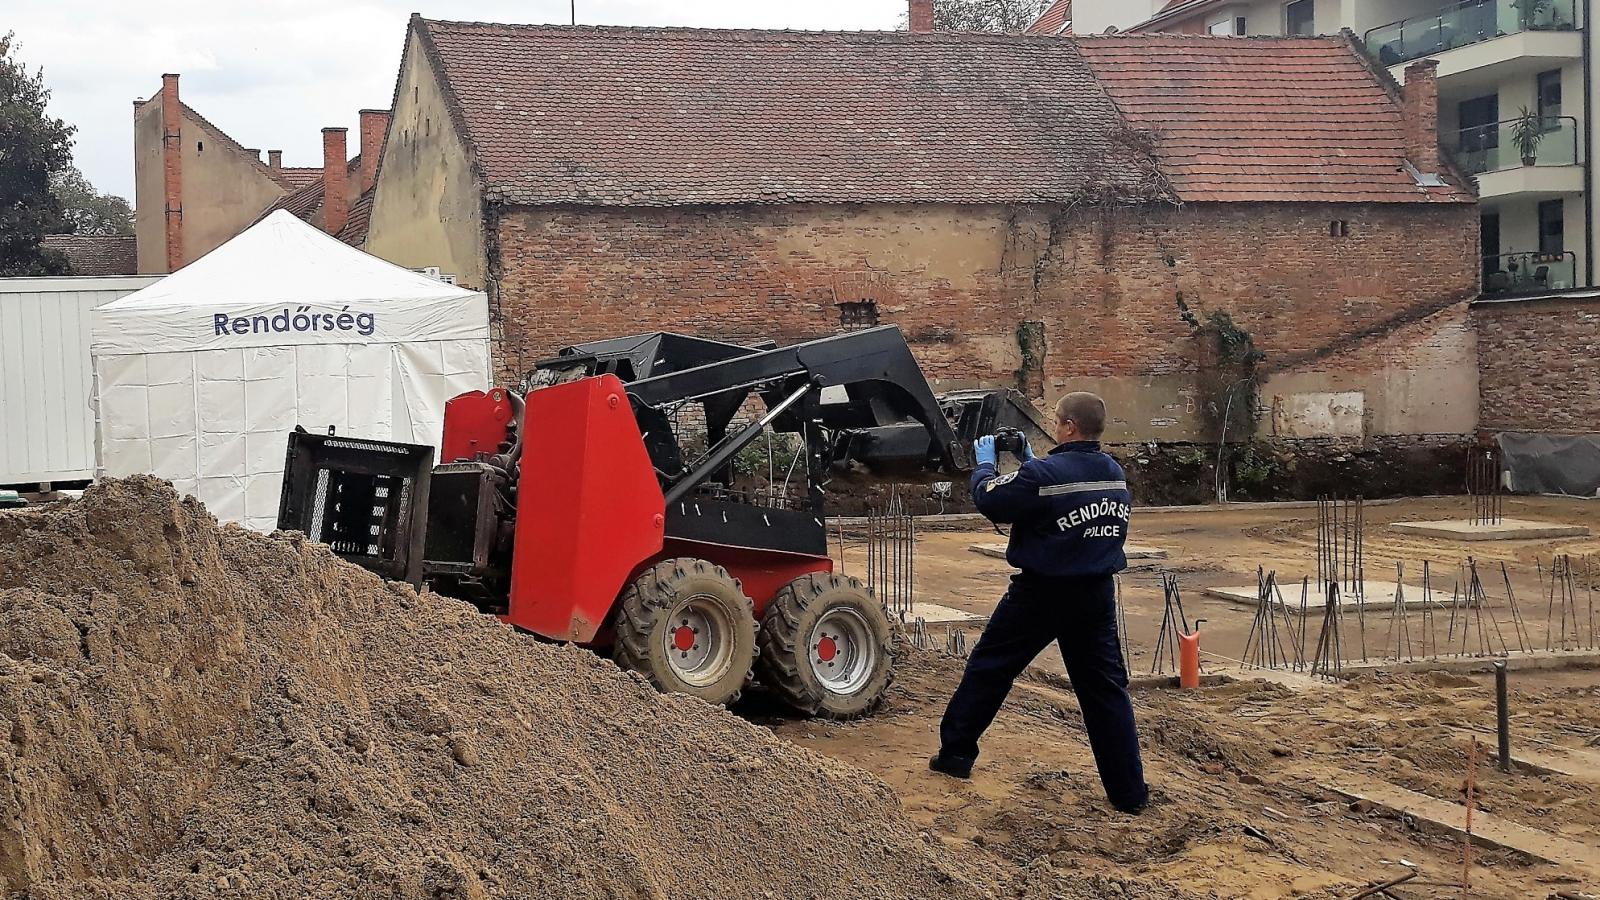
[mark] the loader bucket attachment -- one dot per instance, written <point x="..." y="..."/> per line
<point x="365" y="499"/>
<point x="589" y="508"/>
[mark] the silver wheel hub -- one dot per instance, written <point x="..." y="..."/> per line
<point x="699" y="641"/>
<point x="841" y="651"/>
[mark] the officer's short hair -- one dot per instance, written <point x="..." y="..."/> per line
<point x="1085" y="410"/>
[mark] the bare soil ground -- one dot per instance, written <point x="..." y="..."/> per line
<point x="194" y="711"/>
<point x="1244" y="771"/>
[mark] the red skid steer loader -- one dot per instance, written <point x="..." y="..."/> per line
<point x="599" y="507"/>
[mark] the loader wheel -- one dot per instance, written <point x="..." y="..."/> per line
<point x="826" y="647"/>
<point x="687" y="626"/>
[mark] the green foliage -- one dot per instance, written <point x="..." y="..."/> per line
<point x="752" y="460"/>
<point x="1228" y="374"/>
<point x="1254" y="467"/>
<point x="1002" y="16"/>
<point x="33" y="147"/>
<point x="1527" y="132"/>
<point x="90" y="211"/>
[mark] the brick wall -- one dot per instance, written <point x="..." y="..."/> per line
<point x="964" y="281"/>
<point x="1539" y="366"/>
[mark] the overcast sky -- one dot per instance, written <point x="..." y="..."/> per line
<point x="273" y="73"/>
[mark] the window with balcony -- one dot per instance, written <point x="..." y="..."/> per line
<point x="1492" y="146"/>
<point x="1467" y="22"/>
<point x="1550" y="268"/>
<point x="1300" y="18"/>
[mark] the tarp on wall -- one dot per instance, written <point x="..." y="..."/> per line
<point x="1552" y="463"/>
<point x="201" y="376"/>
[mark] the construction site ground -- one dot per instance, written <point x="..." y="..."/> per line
<point x="1273" y="784"/>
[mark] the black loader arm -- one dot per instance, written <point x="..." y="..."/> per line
<point x="868" y="391"/>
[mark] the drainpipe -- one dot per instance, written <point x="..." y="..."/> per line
<point x="1588" y="147"/>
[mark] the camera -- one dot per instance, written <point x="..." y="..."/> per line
<point x="1010" y="440"/>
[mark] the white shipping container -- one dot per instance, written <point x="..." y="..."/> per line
<point x="46" y="378"/>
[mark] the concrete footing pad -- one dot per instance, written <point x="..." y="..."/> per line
<point x="934" y="614"/>
<point x="1379" y="597"/>
<point x="1504" y="530"/>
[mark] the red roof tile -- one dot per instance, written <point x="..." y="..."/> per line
<point x="305" y="202"/>
<point x="1056" y="19"/>
<point x="299" y="176"/>
<point x="672" y="116"/>
<point x="96" y="254"/>
<point x="1255" y="119"/>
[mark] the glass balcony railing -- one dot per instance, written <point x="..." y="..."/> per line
<point x="1489" y="148"/>
<point x="1509" y="274"/>
<point x="1468" y="22"/>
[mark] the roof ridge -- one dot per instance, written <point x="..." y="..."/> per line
<point x="219" y="133"/>
<point x="856" y="35"/>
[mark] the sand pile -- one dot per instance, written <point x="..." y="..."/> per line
<point x="195" y="711"/>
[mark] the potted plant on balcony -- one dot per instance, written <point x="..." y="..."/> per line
<point x="1534" y="14"/>
<point x="1526" y="135"/>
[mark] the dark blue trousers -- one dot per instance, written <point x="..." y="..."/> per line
<point x="1080" y="616"/>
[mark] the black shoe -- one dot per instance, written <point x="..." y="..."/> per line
<point x="954" y="766"/>
<point x="1136" y="807"/>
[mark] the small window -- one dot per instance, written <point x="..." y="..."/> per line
<point x="1552" y="229"/>
<point x="858" y="314"/>
<point x="199" y="146"/>
<point x="1339" y="228"/>
<point x="1549" y="97"/>
<point x="1300" y="18"/>
<point x="1228" y="26"/>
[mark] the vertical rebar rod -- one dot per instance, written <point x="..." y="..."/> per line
<point x="1502" y="715"/>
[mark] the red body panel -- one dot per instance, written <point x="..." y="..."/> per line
<point x="589" y="509"/>
<point x="475" y="422"/>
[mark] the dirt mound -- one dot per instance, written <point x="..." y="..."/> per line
<point x="200" y="711"/>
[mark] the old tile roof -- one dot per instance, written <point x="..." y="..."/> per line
<point x="305" y="202"/>
<point x="299" y="176"/>
<point x="359" y="220"/>
<point x="1056" y="19"/>
<point x="96" y="254"/>
<point x="676" y="116"/>
<point x="1263" y="119"/>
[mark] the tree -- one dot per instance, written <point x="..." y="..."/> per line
<point x="33" y="147"/>
<point x="1004" y="16"/>
<point x="90" y="211"/>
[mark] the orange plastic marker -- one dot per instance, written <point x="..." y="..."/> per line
<point x="1189" y="658"/>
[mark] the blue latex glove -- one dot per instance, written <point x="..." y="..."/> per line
<point x="1027" y="450"/>
<point x="983" y="449"/>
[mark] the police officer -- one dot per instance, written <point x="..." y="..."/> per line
<point x="1069" y="517"/>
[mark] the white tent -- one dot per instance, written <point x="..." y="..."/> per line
<point x="201" y="376"/>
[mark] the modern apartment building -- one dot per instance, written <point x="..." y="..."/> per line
<point x="1516" y="87"/>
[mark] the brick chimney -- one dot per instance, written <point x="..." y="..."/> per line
<point x="254" y="151"/>
<point x="374" y="128"/>
<point x="172" y="169"/>
<point x="1419" y="102"/>
<point x="335" y="180"/>
<point x="921" y="16"/>
<point x="275" y="161"/>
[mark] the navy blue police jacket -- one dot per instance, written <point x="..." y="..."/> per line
<point x="1068" y="511"/>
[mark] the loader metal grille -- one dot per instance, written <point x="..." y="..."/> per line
<point x="361" y="498"/>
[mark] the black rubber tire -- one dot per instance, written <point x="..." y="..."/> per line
<point x="786" y="628"/>
<point x="645" y="618"/>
